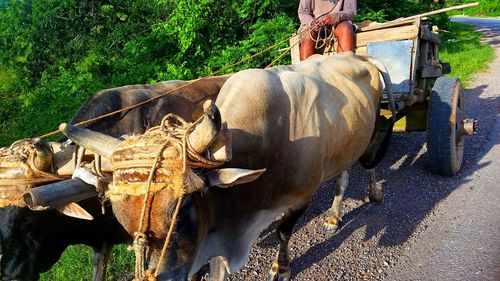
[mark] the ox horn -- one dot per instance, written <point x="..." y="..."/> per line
<point x="99" y="143"/>
<point x="44" y="155"/>
<point x="205" y="132"/>
<point x="58" y="194"/>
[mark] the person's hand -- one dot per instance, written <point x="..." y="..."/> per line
<point x="315" y="23"/>
<point x="327" y="20"/>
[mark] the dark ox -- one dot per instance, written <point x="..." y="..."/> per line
<point x="186" y="102"/>
<point x="32" y="241"/>
<point x="304" y="124"/>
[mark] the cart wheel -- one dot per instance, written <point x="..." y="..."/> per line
<point x="445" y="140"/>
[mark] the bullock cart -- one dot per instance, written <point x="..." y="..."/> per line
<point x="425" y="99"/>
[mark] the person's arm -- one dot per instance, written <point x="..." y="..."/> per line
<point x="348" y="13"/>
<point x="305" y="12"/>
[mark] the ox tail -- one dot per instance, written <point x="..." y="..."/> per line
<point x="376" y="153"/>
<point x="388" y="85"/>
<point x="371" y="159"/>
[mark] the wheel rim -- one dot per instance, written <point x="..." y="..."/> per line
<point x="459" y="137"/>
<point x="445" y="137"/>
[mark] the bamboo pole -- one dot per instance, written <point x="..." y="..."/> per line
<point x="459" y="7"/>
<point x="408" y="20"/>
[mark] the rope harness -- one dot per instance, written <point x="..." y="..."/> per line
<point x="19" y="173"/>
<point x="325" y="37"/>
<point x="167" y="145"/>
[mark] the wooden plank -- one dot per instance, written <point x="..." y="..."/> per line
<point x="459" y="7"/>
<point x="378" y="25"/>
<point x="403" y="21"/>
<point x="361" y="51"/>
<point x="389" y="34"/>
<point x="415" y="58"/>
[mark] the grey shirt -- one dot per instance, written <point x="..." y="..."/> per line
<point x="344" y="10"/>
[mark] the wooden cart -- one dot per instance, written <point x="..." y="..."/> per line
<point x="425" y="100"/>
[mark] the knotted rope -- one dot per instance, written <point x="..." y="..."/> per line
<point x="175" y="132"/>
<point x="19" y="159"/>
<point x="324" y="37"/>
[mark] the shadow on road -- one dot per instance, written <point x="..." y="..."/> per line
<point x="490" y="36"/>
<point x="411" y="191"/>
<point x="487" y="26"/>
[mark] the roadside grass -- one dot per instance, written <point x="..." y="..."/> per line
<point x="461" y="47"/>
<point x="76" y="264"/>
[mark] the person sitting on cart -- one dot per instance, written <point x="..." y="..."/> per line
<point x="314" y="14"/>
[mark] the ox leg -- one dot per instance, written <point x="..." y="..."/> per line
<point x="333" y="221"/>
<point x="375" y="195"/>
<point x="280" y="270"/>
<point x="100" y="262"/>
<point x="218" y="269"/>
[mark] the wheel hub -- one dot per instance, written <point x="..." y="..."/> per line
<point x="469" y="127"/>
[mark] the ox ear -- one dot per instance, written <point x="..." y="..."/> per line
<point x="74" y="210"/>
<point x="232" y="176"/>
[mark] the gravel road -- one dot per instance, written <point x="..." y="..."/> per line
<point x="428" y="228"/>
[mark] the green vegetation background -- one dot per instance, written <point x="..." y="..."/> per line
<point x="54" y="54"/>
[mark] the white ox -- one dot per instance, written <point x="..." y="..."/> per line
<point x="304" y="124"/>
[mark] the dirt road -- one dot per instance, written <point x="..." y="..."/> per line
<point x="428" y="228"/>
<point x="463" y="241"/>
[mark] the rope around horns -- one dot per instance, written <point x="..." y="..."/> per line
<point x="188" y="155"/>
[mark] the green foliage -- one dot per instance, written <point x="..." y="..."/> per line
<point x="487" y="8"/>
<point x="76" y="264"/>
<point x="63" y="51"/>
<point x="9" y="102"/>
<point x="77" y="260"/>
<point x="385" y="10"/>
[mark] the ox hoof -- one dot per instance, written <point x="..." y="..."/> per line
<point x="283" y="276"/>
<point x="375" y="198"/>
<point x="332" y="225"/>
